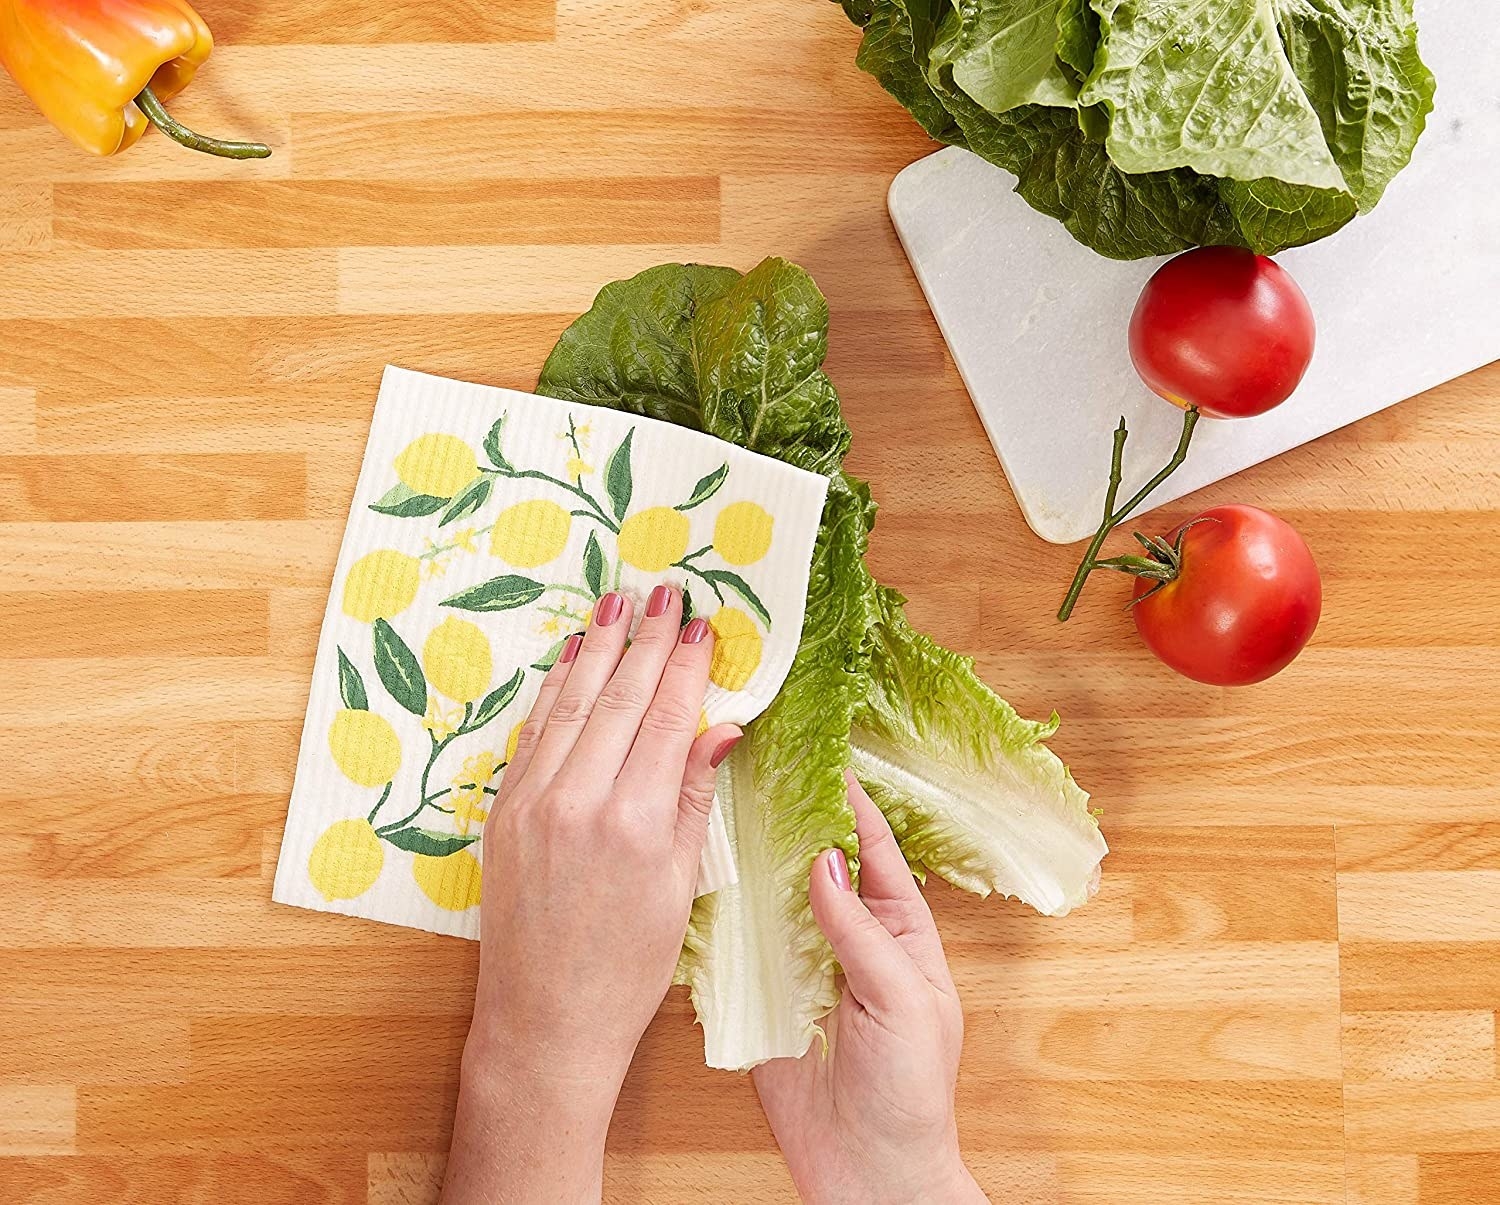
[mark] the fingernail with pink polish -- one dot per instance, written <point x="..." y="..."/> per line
<point x="838" y="869"/>
<point x="657" y="603"/>
<point x="695" y="632"/>
<point x="570" y="649"/>
<point x="722" y="752"/>
<point x="608" y="610"/>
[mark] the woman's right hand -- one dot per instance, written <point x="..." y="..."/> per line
<point x="872" y="1120"/>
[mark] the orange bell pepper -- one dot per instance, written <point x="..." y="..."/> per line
<point x="99" y="69"/>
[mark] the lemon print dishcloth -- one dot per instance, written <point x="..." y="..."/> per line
<point x="485" y="525"/>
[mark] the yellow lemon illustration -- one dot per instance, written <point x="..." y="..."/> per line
<point x="456" y="658"/>
<point x="529" y="534"/>
<point x="381" y="584"/>
<point x="440" y="465"/>
<point x="742" y="533"/>
<point x="365" y="747"/>
<point x="653" y="539"/>
<point x="346" y="860"/>
<point x="512" y="741"/>
<point x="451" y="882"/>
<point x="737" y="648"/>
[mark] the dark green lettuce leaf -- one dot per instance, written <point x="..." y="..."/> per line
<point x="1063" y="173"/>
<point x="1272" y="216"/>
<point x="738" y="356"/>
<point x="898" y="39"/>
<point x="633" y="350"/>
<point x="1077" y="36"/>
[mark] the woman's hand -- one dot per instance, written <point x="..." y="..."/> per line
<point x="871" y="1121"/>
<point x="590" y="862"/>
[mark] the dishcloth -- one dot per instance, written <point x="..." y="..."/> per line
<point x="485" y="524"/>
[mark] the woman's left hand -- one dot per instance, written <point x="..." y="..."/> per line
<point x="590" y="862"/>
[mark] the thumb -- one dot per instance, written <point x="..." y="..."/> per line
<point x="696" y="799"/>
<point x="877" y="970"/>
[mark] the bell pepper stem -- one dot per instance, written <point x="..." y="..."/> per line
<point x="1112" y="517"/>
<point x="148" y="104"/>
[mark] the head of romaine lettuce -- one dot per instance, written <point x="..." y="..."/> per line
<point x="1150" y="126"/>
<point x="970" y="789"/>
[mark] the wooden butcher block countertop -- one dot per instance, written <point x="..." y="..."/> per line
<point x="1286" y="989"/>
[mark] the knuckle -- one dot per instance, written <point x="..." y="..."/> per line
<point x="875" y="842"/>
<point x="912" y="915"/>
<point x="669" y="715"/>
<point x="571" y="709"/>
<point x="623" y="697"/>
<point x="634" y="834"/>
<point x="699" y="795"/>
<point x="630" y="835"/>
<point x="530" y="736"/>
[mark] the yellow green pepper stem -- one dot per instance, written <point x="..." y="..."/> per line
<point x="177" y="132"/>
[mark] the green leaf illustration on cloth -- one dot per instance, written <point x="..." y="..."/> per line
<point x="429" y="842"/>
<point x="495" y="702"/>
<point x="593" y="565"/>
<point x="405" y="503"/>
<point x="733" y="581"/>
<point x="706" y="488"/>
<point x="619" y="481"/>
<point x="399" y="669"/>
<point x="492" y="447"/>
<point x="503" y="593"/>
<point x="468" y="501"/>
<point x="351" y="685"/>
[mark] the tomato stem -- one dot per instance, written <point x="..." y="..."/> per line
<point x="1112" y="517"/>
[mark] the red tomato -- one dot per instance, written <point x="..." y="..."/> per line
<point x="1245" y="600"/>
<point x="1222" y="329"/>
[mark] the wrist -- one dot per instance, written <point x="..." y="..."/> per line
<point x="958" y="1186"/>
<point x="942" y="1179"/>
<point x="523" y="1133"/>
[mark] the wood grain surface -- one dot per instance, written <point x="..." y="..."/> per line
<point x="1285" y="992"/>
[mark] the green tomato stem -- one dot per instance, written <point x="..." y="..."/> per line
<point x="1112" y="517"/>
<point x="158" y="116"/>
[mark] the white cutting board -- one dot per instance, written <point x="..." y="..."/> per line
<point x="1405" y="297"/>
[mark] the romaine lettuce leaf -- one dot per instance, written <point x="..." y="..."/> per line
<point x="1359" y="67"/>
<point x="760" y="972"/>
<point x="741" y="357"/>
<point x="1206" y="86"/>
<point x="1270" y="214"/>
<point x="1003" y="53"/>
<point x="1062" y="172"/>
<point x="1077" y="36"/>
<point x="1258" y="123"/>
<point x="970" y="790"/>
<point x="898" y="40"/>
<point x="738" y="356"/>
<point x="633" y="350"/>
